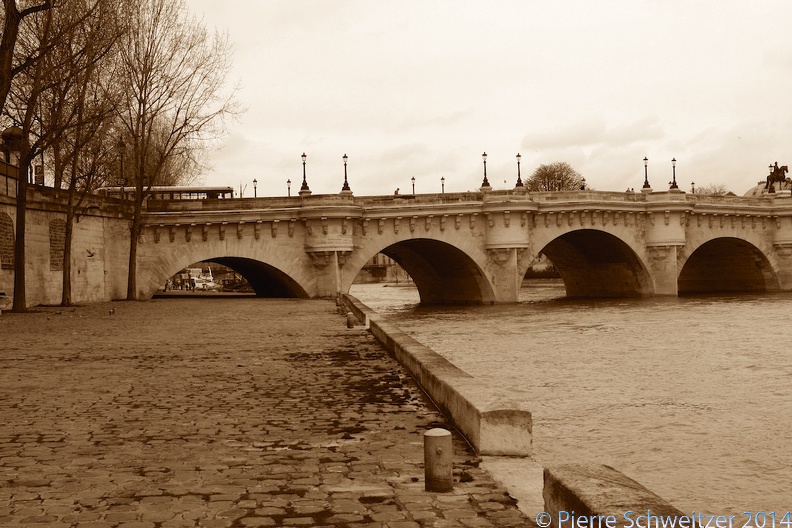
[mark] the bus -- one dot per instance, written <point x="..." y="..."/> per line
<point x="171" y="192"/>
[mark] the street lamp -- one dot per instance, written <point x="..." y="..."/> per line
<point x="692" y="187"/>
<point x="345" y="188"/>
<point x="646" y="173"/>
<point x="485" y="184"/>
<point x="519" y="178"/>
<point x="304" y="188"/>
<point x="413" y="183"/>
<point x="442" y="184"/>
<point x="254" y="187"/>
<point x="583" y="184"/>
<point x="673" y="171"/>
<point x="288" y="187"/>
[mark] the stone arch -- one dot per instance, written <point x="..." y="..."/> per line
<point x="595" y="263"/>
<point x="443" y="273"/>
<point x="263" y="266"/>
<point x="6" y="242"/>
<point x="265" y="279"/>
<point x="727" y="264"/>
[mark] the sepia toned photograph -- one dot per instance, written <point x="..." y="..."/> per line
<point x="395" y="264"/>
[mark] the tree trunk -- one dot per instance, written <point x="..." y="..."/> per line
<point x="7" y="45"/>
<point x="66" y="291"/>
<point x="20" y="297"/>
<point x="133" y="244"/>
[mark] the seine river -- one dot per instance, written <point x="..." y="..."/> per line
<point x="691" y="397"/>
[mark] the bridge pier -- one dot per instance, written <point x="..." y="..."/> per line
<point x="782" y="243"/>
<point x="504" y="273"/>
<point x="664" y="268"/>
<point x="329" y="269"/>
<point x="784" y="252"/>
<point x="665" y="234"/>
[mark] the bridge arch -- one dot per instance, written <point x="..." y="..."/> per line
<point x="727" y="264"/>
<point x="265" y="279"/>
<point x="595" y="263"/>
<point x="442" y="272"/>
<point x="263" y="267"/>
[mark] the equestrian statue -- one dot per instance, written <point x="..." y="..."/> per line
<point x="778" y="175"/>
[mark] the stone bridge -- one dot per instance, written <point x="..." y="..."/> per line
<point x="477" y="247"/>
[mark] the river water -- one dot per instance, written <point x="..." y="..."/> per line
<point x="691" y="396"/>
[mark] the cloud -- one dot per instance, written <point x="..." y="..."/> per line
<point x="595" y="133"/>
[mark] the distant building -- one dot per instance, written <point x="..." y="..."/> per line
<point x="382" y="268"/>
<point x="208" y="276"/>
<point x="780" y="188"/>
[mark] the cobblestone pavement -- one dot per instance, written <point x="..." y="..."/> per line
<point x="218" y="412"/>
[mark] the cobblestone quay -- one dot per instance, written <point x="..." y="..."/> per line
<point x="218" y="412"/>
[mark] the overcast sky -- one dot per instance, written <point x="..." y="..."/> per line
<point x="422" y="88"/>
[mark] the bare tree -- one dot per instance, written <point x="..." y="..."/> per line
<point x="47" y="101"/>
<point x="76" y="112"/>
<point x="558" y="176"/>
<point x="10" y="63"/>
<point x="172" y="78"/>
<point x="712" y="188"/>
<point x="26" y="94"/>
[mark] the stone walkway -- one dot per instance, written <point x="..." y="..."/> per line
<point x="218" y="413"/>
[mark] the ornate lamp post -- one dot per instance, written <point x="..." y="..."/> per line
<point x="254" y="187"/>
<point x="519" y="178"/>
<point x="288" y="187"/>
<point x="646" y="173"/>
<point x="345" y="189"/>
<point x="485" y="186"/>
<point x="304" y="190"/>
<point x="442" y="184"/>
<point x="673" y="172"/>
<point x="692" y="187"/>
<point x="413" y="183"/>
<point x="583" y="184"/>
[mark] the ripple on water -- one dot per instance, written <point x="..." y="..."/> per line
<point x="690" y="396"/>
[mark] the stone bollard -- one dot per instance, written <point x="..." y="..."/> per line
<point x="438" y="471"/>
<point x="350" y="320"/>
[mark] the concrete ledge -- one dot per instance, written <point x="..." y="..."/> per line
<point x="358" y="309"/>
<point x="493" y="424"/>
<point x="592" y="489"/>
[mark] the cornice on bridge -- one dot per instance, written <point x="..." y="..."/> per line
<point x="497" y="208"/>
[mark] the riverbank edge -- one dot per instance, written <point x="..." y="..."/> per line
<point x="493" y="424"/>
<point x="481" y="415"/>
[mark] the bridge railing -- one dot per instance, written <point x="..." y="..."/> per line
<point x="283" y="202"/>
<point x="735" y="200"/>
<point x="566" y="196"/>
<point x="225" y="204"/>
<point x="407" y="200"/>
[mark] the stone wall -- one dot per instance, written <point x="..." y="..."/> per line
<point x="100" y="249"/>
<point x="590" y="490"/>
